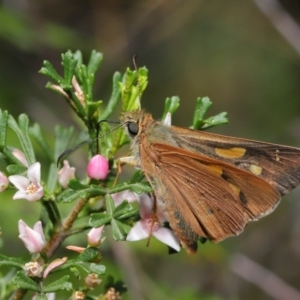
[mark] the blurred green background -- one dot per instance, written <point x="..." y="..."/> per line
<point x="227" y="50"/>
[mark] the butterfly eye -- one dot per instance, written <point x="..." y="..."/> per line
<point x="133" y="128"/>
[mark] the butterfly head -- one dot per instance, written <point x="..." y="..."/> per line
<point x="134" y="122"/>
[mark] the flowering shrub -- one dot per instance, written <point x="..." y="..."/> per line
<point x="117" y="207"/>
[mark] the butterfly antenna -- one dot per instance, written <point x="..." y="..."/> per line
<point x="70" y="150"/>
<point x="137" y="77"/>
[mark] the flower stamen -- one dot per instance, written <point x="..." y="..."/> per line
<point x="32" y="189"/>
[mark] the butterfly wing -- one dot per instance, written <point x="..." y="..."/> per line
<point x="202" y="196"/>
<point x="278" y="165"/>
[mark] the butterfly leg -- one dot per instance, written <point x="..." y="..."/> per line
<point x="130" y="160"/>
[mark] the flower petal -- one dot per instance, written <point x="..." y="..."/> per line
<point x="138" y="232"/>
<point x="145" y="205"/>
<point x="53" y="265"/>
<point x="20" y="182"/>
<point x="124" y="195"/>
<point x="34" y="173"/>
<point x="167" y="236"/>
<point x="167" y="120"/>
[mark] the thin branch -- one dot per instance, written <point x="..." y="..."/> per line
<point x="269" y="282"/>
<point x="282" y="21"/>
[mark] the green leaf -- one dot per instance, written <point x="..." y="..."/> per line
<point x="11" y="261"/>
<point x="76" y="185"/>
<point x="138" y="176"/>
<point x="73" y="264"/>
<point x="219" y="119"/>
<point x="49" y="71"/>
<point x="41" y="297"/>
<point x="21" y="129"/>
<point x="3" y="127"/>
<point x="92" y="107"/>
<point x="124" y="209"/>
<point x="69" y="63"/>
<point x="109" y="204"/>
<point x="26" y="283"/>
<point x="16" y="169"/>
<point x="97" y="268"/>
<point x="139" y="187"/>
<point x="36" y="132"/>
<point x="68" y="196"/>
<point x="58" y="285"/>
<point x="52" y="178"/>
<point x="94" y="62"/>
<point x="119" y="230"/>
<point x="114" y="98"/>
<point x="89" y="254"/>
<point x="202" y="105"/>
<point x="99" y="219"/>
<point x="171" y="105"/>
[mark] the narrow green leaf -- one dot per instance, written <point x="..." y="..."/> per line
<point x="26" y="283"/>
<point x="202" y="105"/>
<point x="124" y="209"/>
<point x="11" y="261"/>
<point x="69" y="195"/>
<point x="139" y="187"/>
<point x="75" y="184"/>
<point x="16" y="169"/>
<point x="171" y="105"/>
<point x="41" y="297"/>
<point x="118" y="229"/>
<point x="99" y="219"/>
<point x="92" y="107"/>
<point x="49" y="71"/>
<point x="138" y="176"/>
<point x="69" y="63"/>
<point x="114" y="98"/>
<point x="97" y="268"/>
<point x="61" y="284"/>
<point x="109" y="204"/>
<point x="94" y="62"/>
<point x="3" y="127"/>
<point x="89" y="254"/>
<point x="219" y="119"/>
<point x="21" y="130"/>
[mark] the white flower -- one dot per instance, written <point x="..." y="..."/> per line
<point x="124" y="195"/>
<point x="33" y="239"/>
<point x="65" y="174"/>
<point x="151" y="224"/>
<point x="28" y="188"/>
<point x="3" y="182"/>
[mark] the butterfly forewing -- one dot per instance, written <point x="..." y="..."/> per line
<point x="278" y="165"/>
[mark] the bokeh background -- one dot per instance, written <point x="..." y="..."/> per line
<point x="244" y="55"/>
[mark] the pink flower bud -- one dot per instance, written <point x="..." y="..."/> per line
<point x="33" y="239"/>
<point x="94" y="236"/>
<point x="98" y="167"/>
<point x="20" y="156"/>
<point x="65" y="174"/>
<point x="3" y="182"/>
